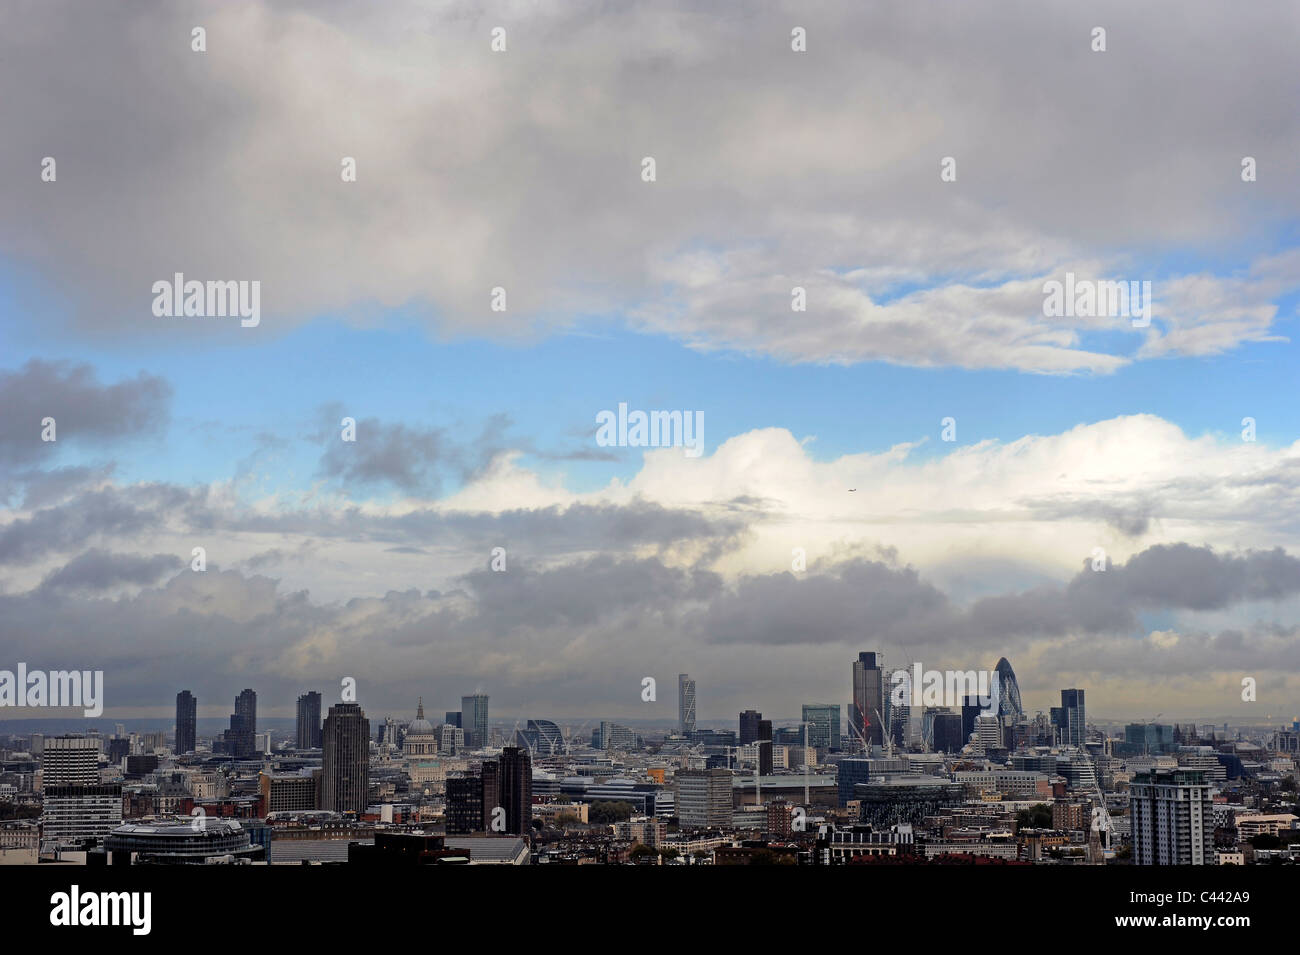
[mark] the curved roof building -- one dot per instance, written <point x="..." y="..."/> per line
<point x="1009" y="699"/>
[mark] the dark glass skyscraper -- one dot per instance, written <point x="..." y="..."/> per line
<point x="1070" y="718"/>
<point x="345" y="759"/>
<point x="474" y="720"/>
<point x="243" y="725"/>
<point x="868" y="700"/>
<point x="749" y="726"/>
<point x="309" y="730"/>
<point x="517" y="789"/>
<point x="187" y="709"/>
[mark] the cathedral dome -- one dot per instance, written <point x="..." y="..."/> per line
<point x="419" y="726"/>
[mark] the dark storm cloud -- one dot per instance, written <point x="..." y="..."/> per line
<point x="586" y="631"/>
<point x="100" y="570"/>
<point x="890" y="605"/>
<point x="86" y="412"/>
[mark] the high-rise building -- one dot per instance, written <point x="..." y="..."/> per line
<point x="453" y="718"/>
<point x="703" y="798"/>
<point x="187" y="709"/>
<point x="243" y="726"/>
<point x="686" y="703"/>
<point x="76" y="806"/>
<point x="464" y="804"/>
<point x="749" y="726"/>
<point x="516" y="778"/>
<point x="544" y="737"/>
<point x="70" y="761"/>
<point x="309" y="734"/>
<point x="1172" y="818"/>
<point x="474" y="720"/>
<point x="1070" y="718"/>
<point x="1008" y="691"/>
<point x="616" y="736"/>
<point x="764" y="743"/>
<point x="971" y="708"/>
<point x="868" y="700"/>
<point x="823" y="721"/>
<point x="947" y="732"/>
<point x="345" y="759"/>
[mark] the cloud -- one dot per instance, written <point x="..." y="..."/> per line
<point x="547" y="639"/>
<point x="86" y="412"/>
<point x="522" y="170"/>
<point x="100" y="570"/>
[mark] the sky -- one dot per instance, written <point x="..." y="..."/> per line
<point x="923" y="461"/>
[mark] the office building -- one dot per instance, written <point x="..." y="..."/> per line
<point x="464" y="804"/>
<point x="823" y="721"/>
<point x="703" y="798"/>
<point x="474" y="720"/>
<point x="345" y="759"/>
<point x="947" y="735"/>
<point x="288" y="792"/>
<point x="516" y="780"/>
<point x="617" y="737"/>
<point x="76" y="806"/>
<point x="544" y="738"/>
<point x="749" y="726"/>
<point x="187" y="710"/>
<point x="764" y="743"/>
<point x="1009" y="704"/>
<point x="686" y="704"/>
<point x="868" y="701"/>
<point x="309" y="730"/>
<point x="1070" y="718"/>
<point x="1172" y="818"/>
<point x="70" y="761"/>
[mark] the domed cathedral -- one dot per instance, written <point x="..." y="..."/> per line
<point x="420" y="752"/>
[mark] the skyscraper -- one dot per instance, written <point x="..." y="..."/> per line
<point x="345" y="759"/>
<point x="749" y="726"/>
<point x="823" y="721"/>
<point x="868" y="700"/>
<point x="686" y="703"/>
<point x="516" y="778"/>
<point x="309" y="735"/>
<point x="1070" y="718"/>
<point x="187" y="709"/>
<point x="764" y="742"/>
<point x="474" y="720"/>
<point x="1008" y="691"/>
<point x="243" y="725"/>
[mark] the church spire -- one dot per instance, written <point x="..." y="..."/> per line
<point x="419" y="710"/>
